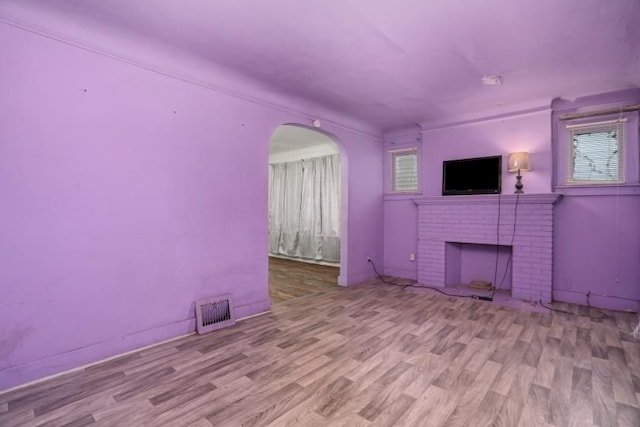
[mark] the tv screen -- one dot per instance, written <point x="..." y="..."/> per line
<point x="481" y="175"/>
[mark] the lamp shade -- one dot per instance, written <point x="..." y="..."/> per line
<point x="519" y="161"/>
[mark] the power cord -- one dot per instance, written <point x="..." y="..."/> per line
<point x="483" y="298"/>
<point x="480" y="297"/>
<point x="591" y="315"/>
<point x="369" y="260"/>
<point x="495" y="268"/>
<point x="513" y="236"/>
<point x="416" y="285"/>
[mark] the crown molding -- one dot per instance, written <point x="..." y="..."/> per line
<point x="15" y="17"/>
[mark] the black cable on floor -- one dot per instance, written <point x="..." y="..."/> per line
<point x="590" y="315"/>
<point x="416" y="285"/>
<point x="382" y="279"/>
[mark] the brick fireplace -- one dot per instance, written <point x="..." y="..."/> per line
<point x="443" y="221"/>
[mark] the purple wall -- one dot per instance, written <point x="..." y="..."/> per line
<point x="597" y="249"/>
<point x="484" y="137"/>
<point x="520" y="132"/>
<point x="597" y="230"/>
<point x="127" y="194"/>
<point x="400" y="231"/>
<point x="400" y="213"/>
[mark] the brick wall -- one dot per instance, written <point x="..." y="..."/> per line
<point x="474" y="219"/>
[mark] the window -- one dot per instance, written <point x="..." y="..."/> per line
<point x="404" y="170"/>
<point x="596" y="152"/>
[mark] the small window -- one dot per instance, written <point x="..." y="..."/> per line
<point x="596" y="152"/>
<point x="404" y="171"/>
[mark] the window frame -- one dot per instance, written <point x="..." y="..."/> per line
<point x="574" y="127"/>
<point x="562" y="138"/>
<point x="393" y="154"/>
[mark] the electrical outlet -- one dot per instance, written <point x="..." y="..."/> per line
<point x="412" y="256"/>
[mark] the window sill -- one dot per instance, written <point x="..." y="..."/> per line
<point x="599" y="189"/>
<point x="401" y="196"/>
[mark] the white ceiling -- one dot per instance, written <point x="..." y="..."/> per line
<point x="295" y="142"/>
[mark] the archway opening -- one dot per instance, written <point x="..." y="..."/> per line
<point x="306" y="201"/>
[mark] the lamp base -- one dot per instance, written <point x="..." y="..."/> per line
<point x="519" y="185"/>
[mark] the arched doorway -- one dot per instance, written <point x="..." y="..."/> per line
<point x="306" y="227"/>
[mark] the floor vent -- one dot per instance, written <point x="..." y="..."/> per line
<point x="214" y="313"/>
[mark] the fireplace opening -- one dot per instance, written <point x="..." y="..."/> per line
<point x="469" y="262"/>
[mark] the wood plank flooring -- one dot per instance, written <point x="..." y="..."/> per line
<point x="292" y="279"/>
<point x="371" y="355"/>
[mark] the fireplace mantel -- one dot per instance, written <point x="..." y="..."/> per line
<point x="526" y="226"/>
<point x="543" y="198"/>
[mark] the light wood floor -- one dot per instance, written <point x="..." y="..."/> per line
<point x="368" y="355"/>
<point x="292" y="279"/>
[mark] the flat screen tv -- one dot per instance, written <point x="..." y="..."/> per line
<point x="481" y="175"/>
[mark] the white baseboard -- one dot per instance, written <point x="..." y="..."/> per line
<point x="42" y="365"/>
<point x="30" y="373"/>
<point x="308" y="261"/>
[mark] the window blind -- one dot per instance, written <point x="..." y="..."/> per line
<point x="404" y="170"/>
<point x="596" y="152"/>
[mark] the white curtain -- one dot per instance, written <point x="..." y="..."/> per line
<point x="304" y="208"/>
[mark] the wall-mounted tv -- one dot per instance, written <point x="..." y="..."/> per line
<point x="480" y="175"/>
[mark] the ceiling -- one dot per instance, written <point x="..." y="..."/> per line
<point x="293" y="142"/>
<point x="287" y="138"/>
<point x="394" y="63"/>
